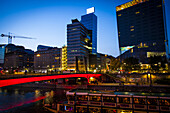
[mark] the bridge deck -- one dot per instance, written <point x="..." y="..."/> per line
<point x="9" y="82"/>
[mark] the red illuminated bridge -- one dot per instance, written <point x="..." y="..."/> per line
<point x="41" y="78"/>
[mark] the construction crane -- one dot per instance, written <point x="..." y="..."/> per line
<point x="10" y="37"/>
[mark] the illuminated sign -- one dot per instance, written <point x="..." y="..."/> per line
<point x="129" y="4"/>
<point x="90" y="10"/>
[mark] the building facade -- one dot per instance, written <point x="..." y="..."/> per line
<point x="141" y="24"/>
<point x="48" y="59"/>
<point x="77" y="47"/>
<point x="90" y="22"/>
<point x="2" y="54"/>
<point x="64" y="58"/>
<point x="18" y="58"/>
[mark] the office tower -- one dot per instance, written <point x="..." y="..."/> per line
<point x="77" y="46"/>
<point x="90" y="22"/>
<point x="142" y="28"/>
<point x="47" y="58"/>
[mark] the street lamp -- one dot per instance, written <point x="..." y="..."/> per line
<point x="149" y="79"/>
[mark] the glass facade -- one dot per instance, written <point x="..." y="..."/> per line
<point x="90" y="22"/>
<point x="2" y="54"/>
<point x="77" y="46"/>
<point x="142" y="22"/>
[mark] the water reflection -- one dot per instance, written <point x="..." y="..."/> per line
<point x="16" y="92"/>
<point x="12" y="99"/>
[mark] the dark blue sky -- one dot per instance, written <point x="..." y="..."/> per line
<point x="46" y="20"/>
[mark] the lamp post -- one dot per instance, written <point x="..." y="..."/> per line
<point x="149" y="77"/>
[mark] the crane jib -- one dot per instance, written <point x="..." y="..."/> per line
<point x="10" y="37"/>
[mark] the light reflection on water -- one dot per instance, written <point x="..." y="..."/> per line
<point x="10" y="99"/>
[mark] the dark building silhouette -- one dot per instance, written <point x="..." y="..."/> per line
<point x="142" y="25"/>
<point x="17" y="57"/>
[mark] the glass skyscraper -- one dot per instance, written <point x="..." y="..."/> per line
<point x="77" y="46"/>
<point x="141" y="24"/>
<point x="90" y="22"/>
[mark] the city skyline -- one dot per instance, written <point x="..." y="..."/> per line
<point x="47" y="21"/>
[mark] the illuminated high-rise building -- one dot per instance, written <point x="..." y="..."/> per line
<point x="64" y="58"/>
<point x="90" y="22"/>
<point x="77" y="46"/>
<point x="141" y="24"/>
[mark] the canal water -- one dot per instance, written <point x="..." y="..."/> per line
<point x="28" y="100"/>
<point x="31" y="100"/>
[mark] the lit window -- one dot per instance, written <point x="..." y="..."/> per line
<point x="131" y="29"/>
<point x="137" y="12"/>
<point x="74" y="28"/>
<point x="120" y="15"/>
<point x="159" y="5"/>
<point x="20" y="55"/>
<point x="131" y="26"/>
<point x="56" y="58"/>
<point x="38" y="55"/>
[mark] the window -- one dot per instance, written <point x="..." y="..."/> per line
<point x="120" y="15"/>
<point x="159" y="5"/>
<point x="152" y="101"/>
<point x="95" y="98"/>
<point x="137" y="12"/>
<point x="124" y="100"/>
<point x="82" y="97"/>
<point x="109" y="99"/>
<point x="139" y="100"/>
<point x="131" y="29"/>
<point x="57" y="58"/>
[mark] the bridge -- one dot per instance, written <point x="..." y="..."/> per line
<point x="9" y="82"/>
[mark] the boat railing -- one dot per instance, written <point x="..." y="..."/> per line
<point x="151" y="103"/>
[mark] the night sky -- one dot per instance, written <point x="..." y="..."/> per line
<point x="46" y="20"/>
